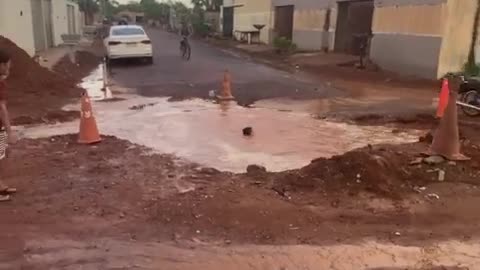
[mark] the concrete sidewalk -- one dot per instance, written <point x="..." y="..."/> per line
<point x="49" y="58"/>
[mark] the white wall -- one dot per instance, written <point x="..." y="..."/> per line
<point x="16" y="23"/>
<point x="59" y="19"/>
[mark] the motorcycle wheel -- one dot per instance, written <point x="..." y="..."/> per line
<point x="471" y="97"/>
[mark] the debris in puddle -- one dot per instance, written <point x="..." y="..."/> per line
<point x="416" y="161"/>
<point x="433" y="196"/>
<point x="212" y="93"/>
<point x="254" y="170"/>
<point x="419" y="189"/>
<point x="434" y="160"/>
<point x="247" y="131"/>
<point x="141" y="106"/>
<point x="441" y="175"/>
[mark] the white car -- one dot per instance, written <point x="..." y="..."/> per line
<point x="128" y="41"/>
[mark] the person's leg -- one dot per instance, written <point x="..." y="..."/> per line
<point x="4" y="189"/>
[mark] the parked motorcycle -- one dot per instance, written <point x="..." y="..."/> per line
<point x="469" y="94"/>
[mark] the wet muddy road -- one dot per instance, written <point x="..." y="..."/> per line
<point x="171" y="76"/>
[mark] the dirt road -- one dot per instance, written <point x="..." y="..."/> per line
<point x="169" y="188"/>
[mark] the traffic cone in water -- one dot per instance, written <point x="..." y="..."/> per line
<point x="226" y="93"/>
<point x="446" y="141"/>
<point x="443" y="101"/>
<point x="88" y="126"/>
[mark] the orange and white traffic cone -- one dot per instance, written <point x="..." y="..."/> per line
<point x="446" y="141"/>
<point x="88" y="133"/>
<point x="226" y="93"/>
<point x="443" y="101"/>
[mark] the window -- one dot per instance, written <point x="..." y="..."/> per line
<point x="127" y="32"/>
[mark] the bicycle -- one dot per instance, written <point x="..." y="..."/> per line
<point x="185" y="49"/>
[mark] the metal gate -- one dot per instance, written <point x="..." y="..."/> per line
<point x="42" y="24"/>
<point x="47" y="16"/>
<point x="227" y="21"/>
<point x="38" y="26"/>
<point x="284" y="21"/>
<point x="354" y="24"/>
<point x="71" y="20"/>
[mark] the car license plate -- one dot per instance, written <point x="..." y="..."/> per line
<point x="131" y="44"/>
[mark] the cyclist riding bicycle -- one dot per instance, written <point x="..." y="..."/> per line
<point x="185" y="32"/>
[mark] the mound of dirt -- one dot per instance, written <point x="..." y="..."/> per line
<point x="28" y="74"/>
<point x="36" y="94"/>
<point x="86" y="62"/>
<point x="383" y="170"/>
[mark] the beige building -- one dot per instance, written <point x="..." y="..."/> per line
<point x="426" y="38"/>
<point x="423" y="37"/>
<point x="36" y="25"/>
<point x="241" y="16"/>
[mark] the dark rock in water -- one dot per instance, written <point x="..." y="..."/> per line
<point x="209" y="171"/>
<point x="427" y="138"/>
<point x="255" y="169"/>
<point x="247" y="131"/>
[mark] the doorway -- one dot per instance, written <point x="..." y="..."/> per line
<point x="284" y="21"/>
<point x="38" y="30"/>
<point x="71" y="20"/>
<point x="354" y="25"/>
<point x="42" y="24"/>
<point x="227" y="21"/>
<point x="47" y="16"/>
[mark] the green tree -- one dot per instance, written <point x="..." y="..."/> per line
<point x="111" y="7"/>
<point x="155" y="10"/>
<point x="89" y="8"/>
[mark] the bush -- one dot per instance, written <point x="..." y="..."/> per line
<point x="471" y="69"/>
<point x="201" y="29"/>
<point x="284" y="45"/>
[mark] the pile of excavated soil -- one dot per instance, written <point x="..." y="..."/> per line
<point x="86" y="62"/>
<point x="383" y="170"/>
<point x="36" y="94"/>
<point x="122" y="190"/>
<point x="27" y="74"/>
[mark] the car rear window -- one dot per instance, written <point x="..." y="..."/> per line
<point x="127" y="32"/>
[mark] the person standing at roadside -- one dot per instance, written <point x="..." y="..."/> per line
<point x="6" y="134"/>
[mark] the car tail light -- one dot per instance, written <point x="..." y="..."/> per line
<point x="112" y="43"/>
<point x="146" y="42"/>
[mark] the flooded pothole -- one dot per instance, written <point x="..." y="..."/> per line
<point x="96" y="84"/>
<point x="211" y="134"/>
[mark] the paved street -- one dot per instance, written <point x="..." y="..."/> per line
<point x="172" y="76"/>
<point x="150" y="171"/>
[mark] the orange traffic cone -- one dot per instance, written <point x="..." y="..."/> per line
<point x="88" y="126"/>
<point x="446" y="141"/>
<point x="226" y="93"/>
<point x="443" y="101"/>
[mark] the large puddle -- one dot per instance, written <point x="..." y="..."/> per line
<point x="211" y="134"/>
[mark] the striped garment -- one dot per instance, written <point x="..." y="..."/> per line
<point x="3" y="144"/>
